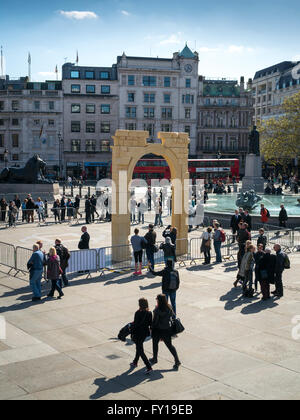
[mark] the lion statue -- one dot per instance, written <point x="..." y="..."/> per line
<point x="33" y="173"/>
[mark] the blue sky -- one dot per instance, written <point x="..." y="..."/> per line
<point x="233" y="38"/>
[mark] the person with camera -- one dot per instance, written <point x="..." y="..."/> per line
<point x="171" y="232"/>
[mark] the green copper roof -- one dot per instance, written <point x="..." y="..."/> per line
<point x="187" y="53"/>
<point x="218" y="88"/>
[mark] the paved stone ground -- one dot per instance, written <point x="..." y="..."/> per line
<point x="233" y="348"/>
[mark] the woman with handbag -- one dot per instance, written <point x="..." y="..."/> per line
<point x="206" y="245"/>
<point x="53" y="272"/>
<point x="140" y="331"/>
<point x="162" y="329"/>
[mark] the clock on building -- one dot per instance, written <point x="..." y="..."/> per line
<point x="188" y="68"/>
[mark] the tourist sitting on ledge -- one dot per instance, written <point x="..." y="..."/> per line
<point x="268" y="190"/>
<point x="279" y="191"/>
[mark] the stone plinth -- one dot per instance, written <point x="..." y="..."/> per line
<point x="253" y="179"/>
<point x="44" y="191"/>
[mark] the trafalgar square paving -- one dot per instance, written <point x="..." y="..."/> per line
<point x="232" y="347"/>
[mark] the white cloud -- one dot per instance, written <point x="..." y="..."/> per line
<point x="125" y="13"/>
<point x="79" y="15"/>
<point x="238" y="49"/>
<point x="296" y="57"/>
<point x="207" y="49"/>
<point x="173" y="39"/>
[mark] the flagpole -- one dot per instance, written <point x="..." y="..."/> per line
<point x="2" y="66"/>
<point x="29" y="67"/>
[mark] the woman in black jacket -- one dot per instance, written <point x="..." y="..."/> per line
<point x="161" y="329"/>
<point x="141" y="330"/>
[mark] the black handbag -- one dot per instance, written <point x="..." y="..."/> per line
<point x="177" y="326"/>
<point x="124" y="332"/>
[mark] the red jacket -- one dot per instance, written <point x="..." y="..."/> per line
<point x="264" y="215"/>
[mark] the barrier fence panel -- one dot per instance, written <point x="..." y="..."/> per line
<point x="22" y="257"/>
<point x="7" y="255"/>
<point x="83" y="260"/>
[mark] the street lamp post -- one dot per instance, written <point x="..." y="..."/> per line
<point x="219" y="157"/>
<point x="60" y="144"/>
<point x="5" y="157"/>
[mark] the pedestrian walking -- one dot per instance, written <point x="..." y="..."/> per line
<point x="12" y="214"/>
<point x="56" y="211"/>
<point x="30" y="207"/>
<point x="64" y="256"/>
<point x="40" y="209"/>
<point x="246" y="271"/>
<point x="266" y="267"/>
<point x="242" y="237"/>
<point x="53" y="272"/>
<point x="140" y="331"/>
<point x="283" y="217"/>
<point x="138" y="244"/>
<point x="169" y="250"/>
<point x="234" y="224"/>
<point x="258" y="255"/>
<point x="150" y="246"/>
<point x="262" y="239"/>
<point x="63" y="209"/>
<point x="24" y="212"/>
<point x="18" y="205"/>
<point x="77" y="207"/>
<point x="161" y="330"/>
<point x="265" y="214"/>
<point x="279" y="268"/>
<point x="217" y="236"/>
<point x="170" y="282"/>
<point x="206" y="245"/>
<point x="88" y="208"/>
<point x="35" y="266"/>
<point x="70" y="210"/>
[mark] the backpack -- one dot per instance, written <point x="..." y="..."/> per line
<point x="287" y="263"/>
<point x="223" y="235"/>
<point x="173" y="280"/>
<point x="268" y="213"/>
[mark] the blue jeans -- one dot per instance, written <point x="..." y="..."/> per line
<point x="172" y="295"/>
<point x="35" y="282"/>
<point x="217" y="246"/>
<point x="150" y="257"/>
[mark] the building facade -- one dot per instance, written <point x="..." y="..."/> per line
<point x="225" y="112"/>
<point x="90" y="118"/>
<point x="271" y="86"/>
<point x="159" y="94"/>
<point x="30" y="120"/>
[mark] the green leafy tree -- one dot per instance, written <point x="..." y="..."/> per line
<point x="280" y="137"/>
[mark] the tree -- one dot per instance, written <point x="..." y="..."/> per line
<point x="280" y="137"/>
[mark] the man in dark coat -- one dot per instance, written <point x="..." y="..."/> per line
<point x="84" y="242"/>
<point x="266" y="268"/>
<point x="64" y="256"/>
<point x="88" y="210"/>
<point x="234" y="224"/>
<point x="63" y="209"/>
<point x="247" y="219"/>
<point x="280" y="258"/>
<point x="283" y="217"/>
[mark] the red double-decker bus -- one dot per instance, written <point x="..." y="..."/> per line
<point x="207" y="169"/>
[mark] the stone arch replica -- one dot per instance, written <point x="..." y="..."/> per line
<point x="129" y="147"/>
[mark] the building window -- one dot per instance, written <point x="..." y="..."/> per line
<point x="167" y="81"/>
<point x="167" y="98"/>
<point x="149" y="81"/>
<point x="207" y="143"/>
<point x="1" y="105"/>
<point x="90" y="145"/>
<point x="15" y="157"/>
<point x="105" y="127"/>
<point x="167" y="128"/>
<point x="187" y="83"/>
<point x="105" y="146"/>
<point x="105" y="109"/>
<point x="130" y="112"/>
<point x="51" y="105"/>
<point x="89" y="74"/>
<point x="219" y="143"/>
<point x="1" y="124"/>
<point x="130" y="126"/>
<point x="166" y="113"/>
<point x="104" y="75"/>
<point x="207" y="101"/>
<point x="36" y="122"/>
<point x="90" y="127"/>
<point x="187" y="113"/>
<point x="131" y="97"/>
<point x="105" y="89"/>
<point x="90" y="109"/>
<point x="75" y="108"/>
<point x="75" y="74"/>
<point x="149" y="112"/>
<point x="51" y="86"/>
<point x="75" y="88"/>
<point x="149" y="98"/>
<point x="131" y="80"/>
<point x="187" y="129"/>
<point x="75" y="145"/>
<point x="150" y="128"/>
<point x="15" y="140"/>
<point x="90" y="89"/>
<point x="15" y="122"/>
<point x="37" y="105"/>
<point x="188" y="99"/>
<point x="15" y="105"/>
<point x="75" y="126"/>
<point x="51" y="123"/>
<point x="1" y="140"/>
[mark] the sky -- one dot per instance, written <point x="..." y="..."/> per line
<point x="233" y="38"/>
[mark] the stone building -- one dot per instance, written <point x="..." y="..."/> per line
<point x="271" y="86"/>
<point x="90" y="107"/>
<point x="159" y="94"/>
<point x="225" y="114"/>
<point x="30" y="118"/>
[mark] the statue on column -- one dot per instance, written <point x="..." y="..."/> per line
<point x="254" y="142"/>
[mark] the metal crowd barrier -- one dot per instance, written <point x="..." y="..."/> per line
<point x="22" y="257"/>
<point x="85" y="260"/>
<point x="7" y="255"/>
